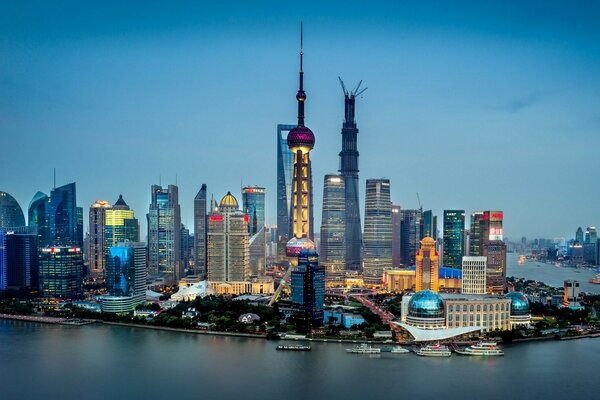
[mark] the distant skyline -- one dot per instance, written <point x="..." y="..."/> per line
<point x="474" y="106"/>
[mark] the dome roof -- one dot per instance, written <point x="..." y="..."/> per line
<point x="519" y="304"/>
<point x="426" y="304"/>
<point x="295" y="245"/>
<point x="229" y="201"/>
<point x="301" y="136"/>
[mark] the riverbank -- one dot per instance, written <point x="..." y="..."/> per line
<point x="181" y="330"/>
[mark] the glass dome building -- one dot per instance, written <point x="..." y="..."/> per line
<point x="519" y="309"/>
<point x="426" y="310"/>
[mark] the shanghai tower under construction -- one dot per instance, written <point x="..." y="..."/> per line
<point x="349" y="172"/>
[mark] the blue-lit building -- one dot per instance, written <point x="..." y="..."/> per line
<point x="308" y="287"/>
<point x="454" y="229"/>
<point x="19" y="259"/>
<point x="519" y="309"/>
<point x="11" y="215"/>
<point x="125" y="277"/>
<point x="410" y="235"/>
<point x="64" y="218"/>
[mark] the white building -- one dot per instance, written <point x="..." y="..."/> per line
<point x="473" y="275"/>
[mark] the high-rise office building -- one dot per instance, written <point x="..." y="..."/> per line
<point x="164" y="233"/>
<point x="410" y="235"/>
<point x="454" y="226"/>
<point x="475" y="234"/>
<point x="285" y="201"/>
<point x="377" y="237"/>
<point x="11" y="214"/>
<point x="200" y="230"/>
<point x="333" y="231"/>
<point x="186" y="250"/>
<point x="349" y="171"/>
<point x="485" y="226"/>
<point x="308" y="288"/>
<point x="96" y="240"/>
<point x="495" y="275"/>
<point x="64" y="220"/>
<point x="257" y="248"/>
<point x="19" y="259"/>
<point x="120" y="225"/>
<point x="427" y="266"/>
<point x="125" y="277"/>
<point x="396" y="238"/>
<point x="61" y="272"/>
<point x="429" y="224"/>
<point x="301" y="141"/>
<point x="38" y="212"/>
<point x="474" y="275"/>
<point x="579" y="235"/>
<point x="253" y="205"/>
<point x="590" y="243"/>
<point x="228" y="245"/>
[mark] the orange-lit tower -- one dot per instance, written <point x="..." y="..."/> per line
<point x="301" y="141"/>
<point x="428" y="271"/>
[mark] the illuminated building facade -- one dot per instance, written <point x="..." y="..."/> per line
<point x="333" y="247"/>
<point x="473" y="275"/>
<point x="427" y="266"/>
<point x="164" y="233"/>
<point x="96" y="240"/>
<point x="377" y="237"/>
<point x="410" y="235"/>
<point x="349" y="171"/>
<point x="120" y="225"/>
<point x="253" y="205"/>
<point x="200" y="230"/>
<point x="125" y="277"/>
<point x="228" y="245"/>
<point x="38" y="212"/>
<point x="19" y="259"/>
<point x="285" y="174"/>
<point x="64" y="218"/>
<point x="495" y="251"/>
<point x="308" y="287"/>
<point x="61" y="272"/>
<point x="454" y="227"/>
<point x="11" y="214"/>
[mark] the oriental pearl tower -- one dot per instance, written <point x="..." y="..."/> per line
<point x="301" y="141"/>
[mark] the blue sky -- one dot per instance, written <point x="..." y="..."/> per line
<point x="473" y="106"/>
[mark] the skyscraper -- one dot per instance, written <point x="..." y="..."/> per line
<point x="579" y="235"/>
<point x="125" y="277"/>
<point x="185" y="247"/>
<point x="164" y="234"/>
<point x="333" y="247"/>
<point x="61" y="272"/>
<point x="589" y="245"/>
<point x="454" y="226"/>
<point x="427" y="266"/>
<point x="253" y="205"/>
<point x="396" y="238"/>
<point x="285" y="201"/>
<point x="11" y="215"/>
<point x="308" y="288"/>
<point x="485" y="226"/>
<point x="39" y="211"/>
<point x="495" y="274"/>
<point x="349" y="170"/>
<point x="257" y="249"/>
<point x="410" y="235"/>
<point x="475" y="234"/>
<point x="228" y="245"/>
<point x="120" y="225"/>
<point x="200" y="230"/>
<point x="377" y="237"/>
<point x="96" y="240"/>
<point x="429" y="224"/>
<point x="18" y="259"/>
<point x="65" y="229"/>
<point x="474" y="275"/>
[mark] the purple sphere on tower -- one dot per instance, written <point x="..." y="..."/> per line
<point x="301" y="136"/>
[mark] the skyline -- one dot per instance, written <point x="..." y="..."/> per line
<point x="144" y="98"/>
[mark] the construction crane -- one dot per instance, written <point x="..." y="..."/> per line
<point x="419" y="200"/>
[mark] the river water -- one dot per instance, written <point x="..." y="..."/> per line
<point x="111" y="363"/>
<point x="550" y="274"/>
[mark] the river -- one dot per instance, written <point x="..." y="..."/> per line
<point x="102" y="362"/>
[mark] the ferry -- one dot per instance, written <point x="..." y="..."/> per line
<point x="364" y="349"/>
<point x="482" y="349"/>
<point x="522" y="259"/>
<point x="399" y="350"/>
<point x="595" y="279"/>
<point x="297" y="347"/>
<point x="434" y="351"/>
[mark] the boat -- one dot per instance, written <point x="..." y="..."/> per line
<point x="595" y="279"/>
<point x="399" y="350"/>
<point x="364" y="349"/>
<point x="295" y="347"/>
<point x="434" y="351"/>
<point x="522" y="259"/>
<point x="482" y="349"/>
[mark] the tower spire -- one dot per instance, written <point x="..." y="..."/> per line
<point x="301" y="95"/>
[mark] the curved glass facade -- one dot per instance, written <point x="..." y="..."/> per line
<point x="11" y="215"/>
<point x="426" y="304"/>
<point x="38" y="217"/>
<point x="519" y="303"/>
